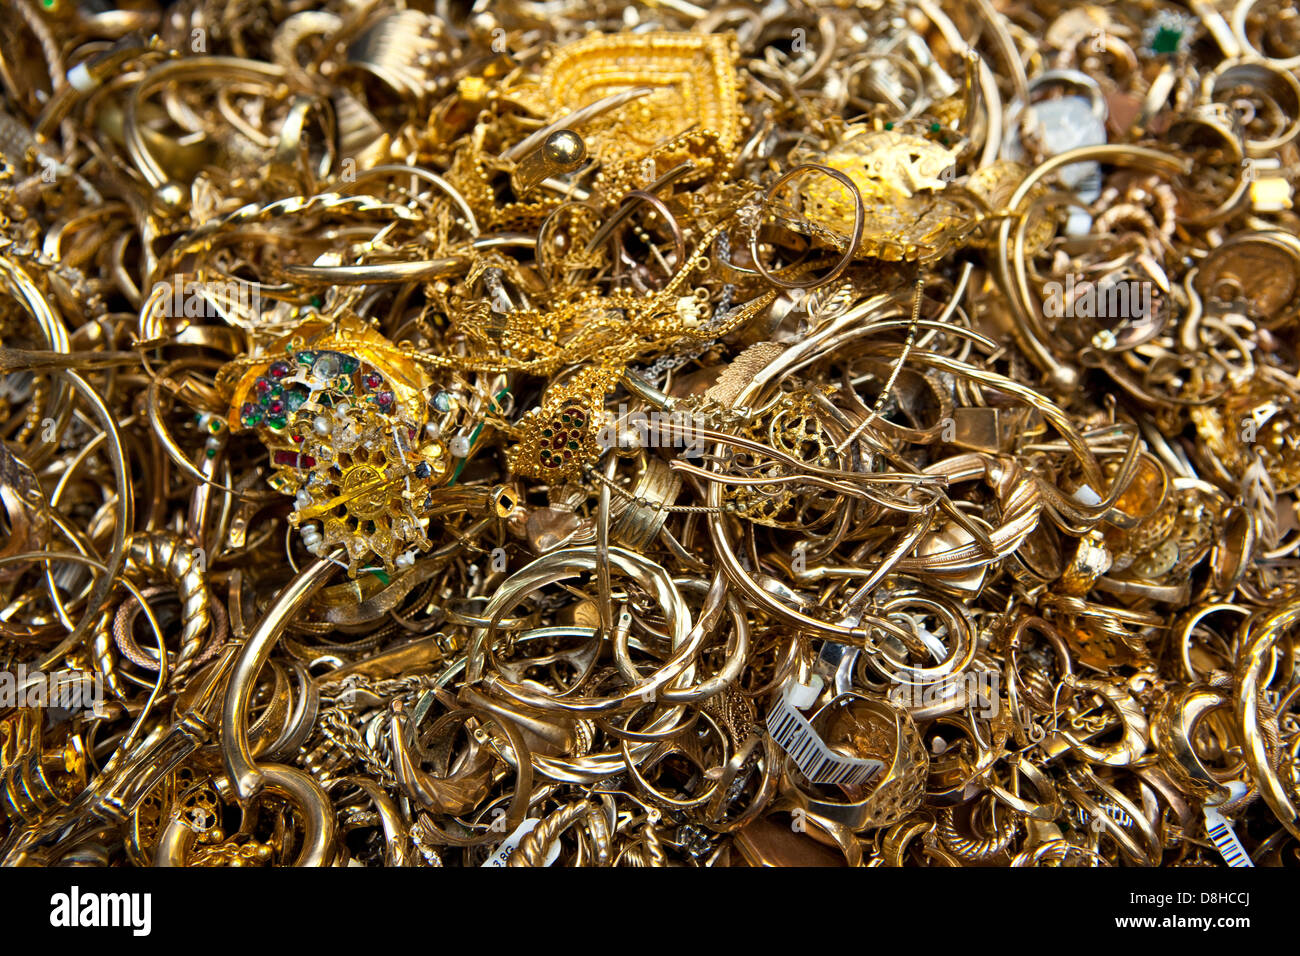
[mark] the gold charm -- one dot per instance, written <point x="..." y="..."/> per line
<point x="903" y="181"/>
<point x="560" y="438"/>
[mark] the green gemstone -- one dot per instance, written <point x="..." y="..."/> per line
<point x="1167" y="40"/>
<point x="573" y="445"/>
<point x="306" y="358"/>
<point x="935" y="127"/>
<point x="889" y="126"/>
<point x="349" y="364"/>
<point x="275" y="421"/>
<point x="547" y="433"/>
<point x="210" y="452"/>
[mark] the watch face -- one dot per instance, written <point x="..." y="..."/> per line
<point x="1061" y="125"/>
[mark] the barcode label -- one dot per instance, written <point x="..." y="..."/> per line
<point x="805" y="746"/>
<point x="1118" y="814"/>
<point x="1225" y="839"/>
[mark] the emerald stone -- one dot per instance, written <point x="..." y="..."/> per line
<point x="1166" y="40"/>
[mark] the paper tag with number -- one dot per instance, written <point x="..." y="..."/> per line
<point x="501" y="855"/>
<point x="815" y="760"/>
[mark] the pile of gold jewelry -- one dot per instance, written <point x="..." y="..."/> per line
<point x="601" y="434"/>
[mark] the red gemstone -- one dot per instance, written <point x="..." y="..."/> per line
<point x="293" y="459"/>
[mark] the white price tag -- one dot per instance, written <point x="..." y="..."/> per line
<point x="501" y="855"/>
<point x="815" y="760"/>
<point x="79" y="79"/>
